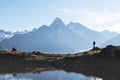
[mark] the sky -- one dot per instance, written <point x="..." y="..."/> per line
<point x="20" y="15"/>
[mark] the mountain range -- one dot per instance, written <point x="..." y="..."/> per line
<point x="57" y="38"/>
<point x="8" y="34"/>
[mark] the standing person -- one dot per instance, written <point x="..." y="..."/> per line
<point x="94" y="44"/>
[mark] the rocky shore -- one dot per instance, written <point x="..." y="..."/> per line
<point x="104" y="63"/>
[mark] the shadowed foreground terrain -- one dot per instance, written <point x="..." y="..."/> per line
<point x="97" y="62"/>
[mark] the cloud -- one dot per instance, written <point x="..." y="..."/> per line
<point x="65" y="10"/>
<point x="97" y="17"/>
<point x="100" y="20"/>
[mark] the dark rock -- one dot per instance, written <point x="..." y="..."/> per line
<point x="111" y="51"/>
<point x="95" y="48"/>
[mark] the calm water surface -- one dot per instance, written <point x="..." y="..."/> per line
<point x="48" y="75"/>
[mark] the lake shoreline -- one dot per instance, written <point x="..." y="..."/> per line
<point x="97" y="62"/>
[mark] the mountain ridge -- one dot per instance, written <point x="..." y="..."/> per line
<point x="56" y="38"/>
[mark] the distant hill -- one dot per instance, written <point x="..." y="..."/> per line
<point x="109" y="34"/>
<point x="113" y="41"/>
<point x="56" y="38"/>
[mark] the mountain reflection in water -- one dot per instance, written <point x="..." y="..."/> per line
<point x="48" y="75"/>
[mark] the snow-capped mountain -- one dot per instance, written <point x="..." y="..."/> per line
<point x="8" y="34"/>
<point x="56" y="38"/>
<point x="5" y="35"/>
<point x="21" y="32"/>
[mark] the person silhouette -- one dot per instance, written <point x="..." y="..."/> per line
<point x="94" y="44"/>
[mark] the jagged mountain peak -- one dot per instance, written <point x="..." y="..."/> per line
<point x="57" y="19"/>
<point x="57" y="22"/>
